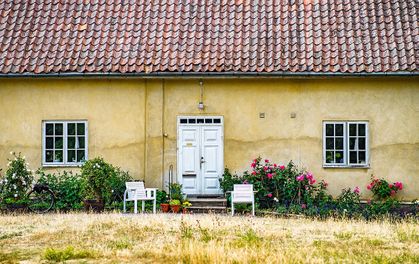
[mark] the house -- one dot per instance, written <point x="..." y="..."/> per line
<point x="194" y="86"/>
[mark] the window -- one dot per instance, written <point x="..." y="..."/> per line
<point x="64" y="142"/>
<point x="345" y="144"/>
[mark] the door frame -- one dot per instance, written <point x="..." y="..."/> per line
<point x="178" y="141"/>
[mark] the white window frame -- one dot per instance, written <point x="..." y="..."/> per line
<point x="65" y="143"/>
<point x="346" y="163"/>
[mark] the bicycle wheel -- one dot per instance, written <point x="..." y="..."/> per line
<point x="41" y="199"/>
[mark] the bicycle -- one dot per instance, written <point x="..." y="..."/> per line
<point x="41" y="199"/>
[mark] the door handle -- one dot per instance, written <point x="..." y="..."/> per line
<point x="201" y="161"/>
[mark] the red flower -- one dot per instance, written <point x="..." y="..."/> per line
<point x="253" y="165"/>
<point x="266" y="161"/>
<point x="304" y="206"/>
<point x="265" y="168"/>
<point x="269" y="195"/>
<point x="275" y="165"/>
<point x="390" y="186"/>
<point x="253" y="172"/>
<point x="369" y="187"/>
<point x="393" y="192"/>
<point x="282" y="167"/>
<point x="270" y="175"/>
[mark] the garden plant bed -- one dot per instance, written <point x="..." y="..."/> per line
<point x="169" y="238"/>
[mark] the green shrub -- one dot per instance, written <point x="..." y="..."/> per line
<point x="348" y="202"/>
<point x="67" y="187"/>
<point x="104" y="182"/>
<point x="176" y="192"/>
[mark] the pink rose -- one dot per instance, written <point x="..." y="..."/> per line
<point x="312" y="181"/>
<point x="309" y="176"/>
<point x="393" y="192"/>
<point x="275" y="165"/>
<point x="255" y="160"/>
<point x="253" y="172"/>
<point x="399" y="185"/>
<point x="266" y="161"/>
<point x="369" y="187"/>
<point x="300" y="178"/>
<point x="253" y="165"/>
<point x="390" y="186"/>
<point x="282" y="167"/>
<point x="245" y="182"/>
<point x="265" y="168"/>
<point x="270" y="175"/>
<point x="356" y="190"/>
<point x="304" y="206"/>
<point x="269" y="195"/>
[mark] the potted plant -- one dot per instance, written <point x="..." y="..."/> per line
<point x="175" y="205"/>
<point x="96" y="173"/>
<point x="164" y="205"/>
<point x="185" y="205"/>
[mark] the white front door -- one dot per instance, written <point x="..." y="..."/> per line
<point x="200" y="154"/>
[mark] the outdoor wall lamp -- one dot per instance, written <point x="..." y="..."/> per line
<point x="201" y="105"/>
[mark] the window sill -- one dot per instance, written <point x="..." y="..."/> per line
<point x="61" y="165"/>
<point x="367" y="166"/>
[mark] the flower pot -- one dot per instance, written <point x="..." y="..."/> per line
<point x="94" y="205"/>
<point x="175" y="208"/>
<point x="165" y="208"/>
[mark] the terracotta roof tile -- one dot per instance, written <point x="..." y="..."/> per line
<point x="208" y="36"/>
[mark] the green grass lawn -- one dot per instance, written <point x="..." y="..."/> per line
<point x="166" y="238"/>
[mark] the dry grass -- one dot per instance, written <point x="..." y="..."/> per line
<point x="164" y="238"/>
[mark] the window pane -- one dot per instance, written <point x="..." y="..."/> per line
<point x="208" y="121"/>
<point x="361" y="143"/>
<point x="71" y="156"/>
<point x="80" y="155"/>
<point x="217" y="121"/>
<point x="81" y="142"/>
<point x="339" y="143"/>
<point x="58" y="143"/>
<point x="200" y="121"/>
<point x="183" y="121"/>
<point x="192" y="121"/>
<point x="49" y="143"/>
<point x="329" y="143"/>
<point x="329" y="130"/>
<point x="329" y="157"/>
<point x="80" y="128"/>
<point x="361" y="157"/>
<point x="339" y="130"/>
<point x="71" y="129"/>
<point x="352" y="143"/>
<point x="49" y="156"/>
<point x="58" y="129"/>
<point x="49" y="129"/>
<point x="361" y="129"/>
<point x="339" y="157"/>
<point x="71" y="142"/>
<point x="352" y="157"/>
<point x="58" y="156"/>
<point x="352" y="129"/>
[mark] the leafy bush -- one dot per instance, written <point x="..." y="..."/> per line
<point x="104" y="182"/>
<point x="67" y="187"/>
<point x="348" y="202"/>
<point x="17" y="181"/>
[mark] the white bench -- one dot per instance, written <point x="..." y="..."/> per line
<point x="243" y="193"/>
<point x="135" y="191"/>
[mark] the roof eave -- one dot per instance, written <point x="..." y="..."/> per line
<point x="209" y="74"/>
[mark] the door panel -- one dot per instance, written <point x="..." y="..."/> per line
<point x="212" y="155"/>
<point x="189" y="158"/>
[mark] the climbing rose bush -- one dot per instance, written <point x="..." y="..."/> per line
<point x="17" y="180"/>
<point x="382" y="189"/>
<point x="278" y="184"/>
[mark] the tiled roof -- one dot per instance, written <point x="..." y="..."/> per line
<point x="134" y="36"/>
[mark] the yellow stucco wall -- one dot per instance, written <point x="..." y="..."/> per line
<point x="127" y="120"/>
<point x="114" y="109"/>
